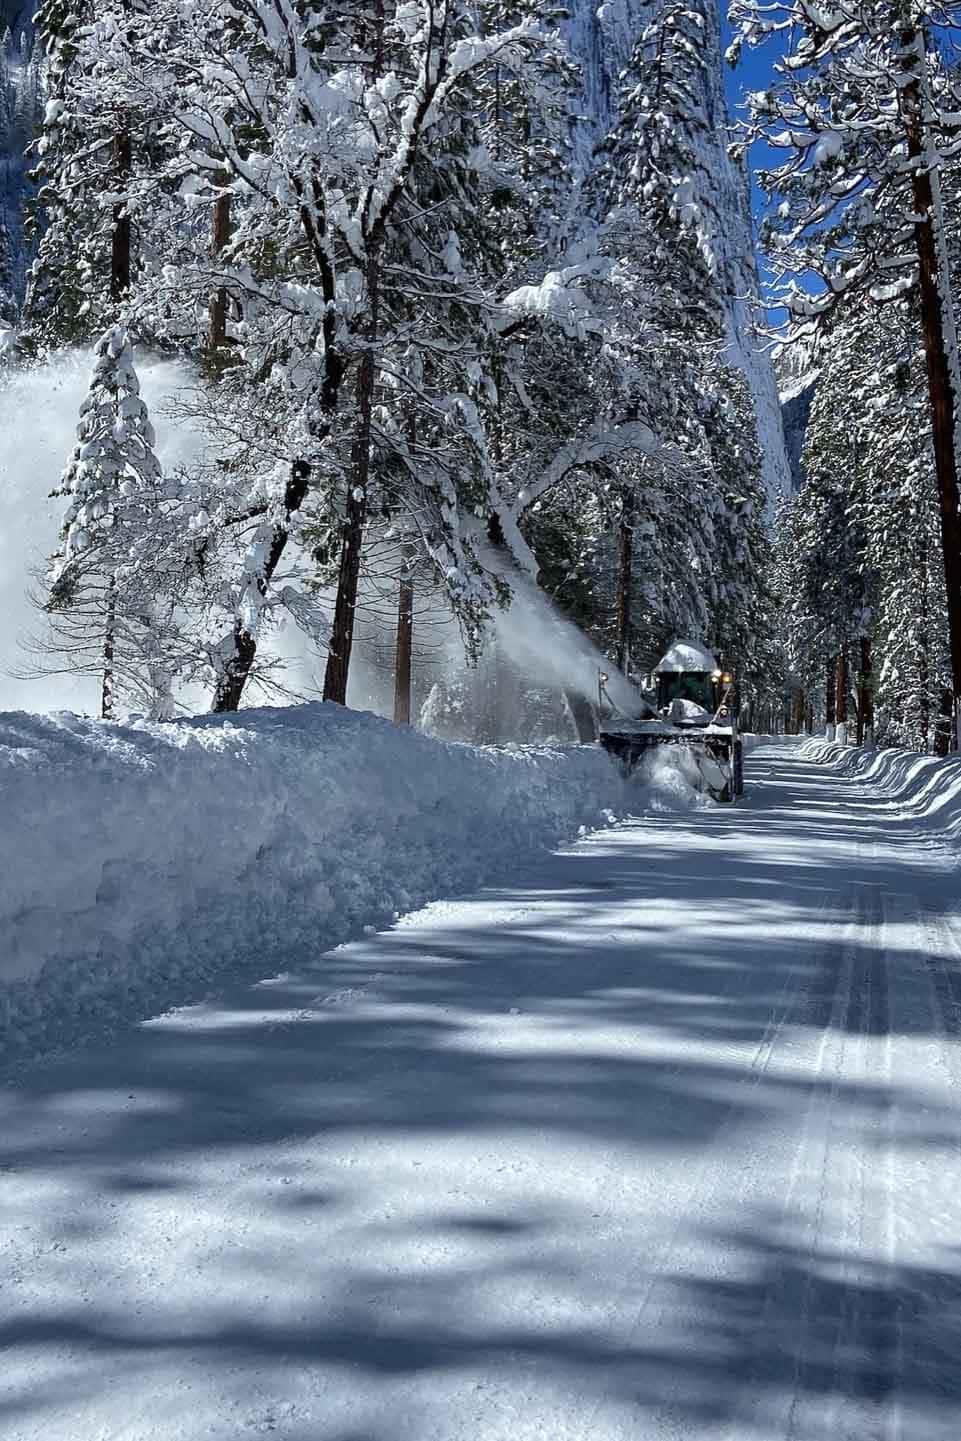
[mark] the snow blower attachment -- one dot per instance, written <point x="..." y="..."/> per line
<point x="695" y="710"/>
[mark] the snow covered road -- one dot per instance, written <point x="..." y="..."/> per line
<point x="660" y="1141"/>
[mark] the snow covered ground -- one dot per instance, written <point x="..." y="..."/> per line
<point x="657" y="1138"/>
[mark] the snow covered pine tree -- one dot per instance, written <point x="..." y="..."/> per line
<point x="110" y="603"/>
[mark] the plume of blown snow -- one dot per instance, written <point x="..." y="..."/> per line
<point x="552" y="650"/>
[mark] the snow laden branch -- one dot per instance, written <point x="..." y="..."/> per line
<point x="328" y="155"/>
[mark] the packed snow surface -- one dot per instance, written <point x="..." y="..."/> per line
<point x="136" y="861"/>
<point x="655" y="1140"/>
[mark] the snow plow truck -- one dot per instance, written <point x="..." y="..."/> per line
<point x="694" y="708"/>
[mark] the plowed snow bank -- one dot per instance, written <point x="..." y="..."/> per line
<point x="925" y="788"/>
<point x="137" y="860"/>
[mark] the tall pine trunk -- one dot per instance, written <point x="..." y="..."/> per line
<point x="830" y="693"/>
<point x="625" y="558"/>
<point x="120" y="246"/>
<point x="109" y="651"/>
<point x="924" y="664"/>
<point x="345" y="606"/>
<point x="355" y="519"/>
<point x="405" y="645"/>
<point x="937" y="322"/>
<point x="865" y="698"/>
<point x="220" y="235"/>
<point x="841" y="701"/>
<point x="942" y="729"/>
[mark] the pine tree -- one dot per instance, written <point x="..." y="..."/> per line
<point x="110" y="602"/>
<point x="692" y="504"/>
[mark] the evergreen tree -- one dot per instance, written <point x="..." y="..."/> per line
<point x="110" y="602"/>
<point x="687" y="516"/>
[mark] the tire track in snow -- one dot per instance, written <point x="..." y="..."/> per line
<point x="796" y="1004"/>
<point x="868" y="1353"/>
<point x="931" y="1296"/>
<point x="814" y="1158"/>
<point x="816" y="1135"/>
<point x="940" y="941"/>
<point x="843" y="1317"/>
<point x="890" y="1167"/>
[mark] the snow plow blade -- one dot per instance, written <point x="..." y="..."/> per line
<point x="718" y="754"/>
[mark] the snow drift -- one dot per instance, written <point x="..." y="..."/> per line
<point x="138" y="860"/>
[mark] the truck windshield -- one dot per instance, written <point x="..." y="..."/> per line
<point x="689" y="686"/>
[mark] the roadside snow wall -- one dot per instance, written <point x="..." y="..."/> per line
<point x="908" y="785"/>
<point x="137" y="861"/>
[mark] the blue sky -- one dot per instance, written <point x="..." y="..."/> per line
<point x="753" y="72"/>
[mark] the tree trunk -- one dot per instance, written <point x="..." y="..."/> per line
<point x="937" y="321"/>
<point x="220" y="234"/>
<point x="865" y="697"/>
<point x="624" y="569"/>
<point x="230" y="685"/>
<point x="841" y="700"/>
<point x="121" y="238"/>
<point x="924" y="668"/>
<point x="942" y="729"/>
<point x="830" y="693"/>
<point x="800" y="713"/>
<point x="109" y="645"/>
<point x="342" y="631"/>
<point x="355" y="518"/>
<point x="405" y="645"/>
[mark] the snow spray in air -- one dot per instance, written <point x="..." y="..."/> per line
<point x="553" y="651"/>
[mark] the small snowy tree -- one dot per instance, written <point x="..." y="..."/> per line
<point x="106" y="590"/>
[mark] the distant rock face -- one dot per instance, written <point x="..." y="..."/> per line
<point x="603" y="38"/>
<point x="795" y="413"/>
